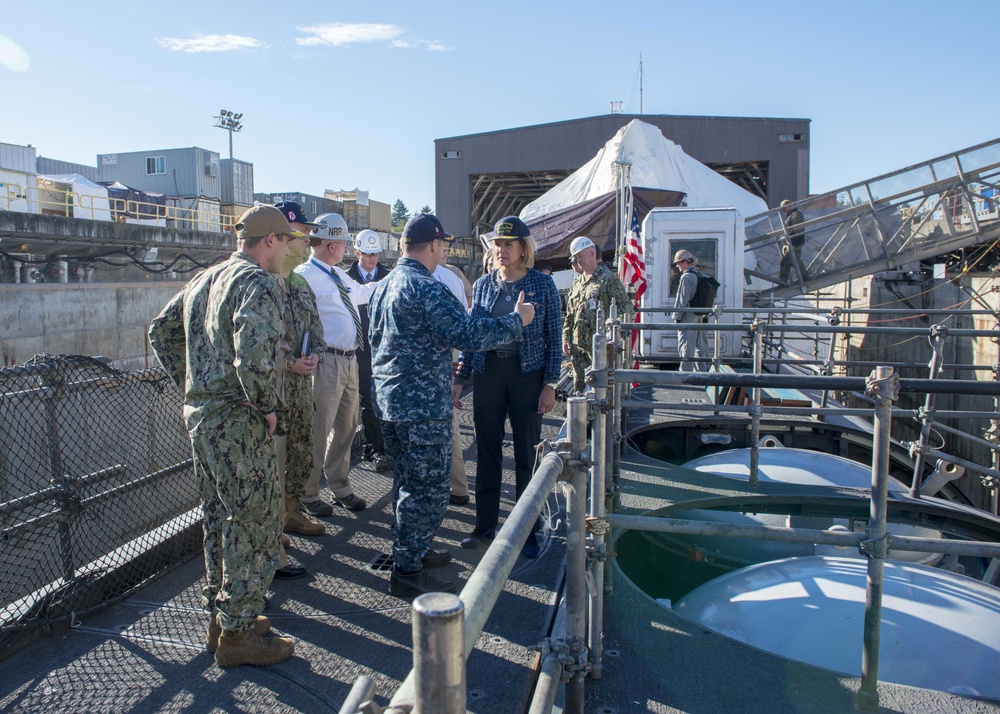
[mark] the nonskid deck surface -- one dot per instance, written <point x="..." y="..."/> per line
<point x="147" y="653"/>
<point x="659" y="662"/>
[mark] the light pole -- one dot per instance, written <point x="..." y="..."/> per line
<point x="230" y="122"/>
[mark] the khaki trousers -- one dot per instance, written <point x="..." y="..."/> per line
<point x="335" y="393"/>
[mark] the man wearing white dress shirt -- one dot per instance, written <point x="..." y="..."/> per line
<point x="459" y="492"/>
<point x="335" y="381"/>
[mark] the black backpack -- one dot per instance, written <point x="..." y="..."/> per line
<point x="704" y="294"/>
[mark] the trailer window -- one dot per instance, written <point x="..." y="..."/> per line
<point x="707" y="253"/>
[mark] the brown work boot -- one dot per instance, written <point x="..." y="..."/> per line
<point x="236" y="648"/>
<point x="261" y="627"/>
<point x="298" y="522"/>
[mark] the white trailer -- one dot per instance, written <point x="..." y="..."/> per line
<point x="716" y="236"/>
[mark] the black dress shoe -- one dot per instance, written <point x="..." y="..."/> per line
<point x="381" y="463"/>
<point x="436" y="558"/>
<point x="290" y="572"/>
<point x="352" y="502"/>
<point x="474" y="540"/>
<point x="411" y="585"/>
<point x="322" y="509"/>
<point x="458" y="500"/>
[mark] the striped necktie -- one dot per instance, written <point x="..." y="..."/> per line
<point x="346" y="297"/>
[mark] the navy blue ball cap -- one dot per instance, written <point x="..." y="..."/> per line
<point x="423" y="228"/>
<point x="294" y="213"/>
<point x="510" y="228"/>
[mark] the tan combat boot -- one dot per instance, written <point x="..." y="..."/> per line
<point x="237" y="648"/>
<point x="261" y="627"/>
<point x="298" y="522"/>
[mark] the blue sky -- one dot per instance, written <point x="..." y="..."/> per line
<point x="343" y="95"/>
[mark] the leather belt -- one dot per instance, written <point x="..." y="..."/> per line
<point x="342" y="353"/>
<point x="506" y="354"/>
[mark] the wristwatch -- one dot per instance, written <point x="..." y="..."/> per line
<point x="552" y="384"/>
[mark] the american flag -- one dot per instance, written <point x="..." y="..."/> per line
<point x="633" y="267"/>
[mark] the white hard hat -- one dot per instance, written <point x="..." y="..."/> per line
<point x="579" y="243"/>
<point x="330" y="226"/>
<point x="367" y="241"/>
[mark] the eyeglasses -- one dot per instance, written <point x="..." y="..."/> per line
<point x="682" y="260"/>
<point x="369" y="255"/>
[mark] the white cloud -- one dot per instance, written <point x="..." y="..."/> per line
<point x="210" y="43"/>
<point x="420" y="44"/>
<point x="13" y="56"/>
<point x="339" y="34"/>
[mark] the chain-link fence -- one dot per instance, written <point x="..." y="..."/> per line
<point x="98" y="493"/>
<point x="912" y="214"/>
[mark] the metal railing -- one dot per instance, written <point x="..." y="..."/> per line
<point x="73" y="204"/>
<point x="922" y="211"/>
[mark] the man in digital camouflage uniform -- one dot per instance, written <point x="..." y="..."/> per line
<point x="595" y="285"/>
<point x="218" y="341"/>
<point x="415" y="323"/>
<point x="294" y="373"/>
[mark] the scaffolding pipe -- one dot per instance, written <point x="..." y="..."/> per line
<point x="598" y="490"/>
<point x="576" y="558"/>
<point x="839" y="539"/>
<point x="937" y="342"/>
<point x="882" y="385"/>
<point x="755" y="413"/>
<point x="778" y="410"/>
<point x="788" y="381"/>
<point x="438" y="654"/>
<point x="548" y="685"/>
<point x="361" y="692"/>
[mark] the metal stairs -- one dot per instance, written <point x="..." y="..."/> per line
<point x="924" y="210"/>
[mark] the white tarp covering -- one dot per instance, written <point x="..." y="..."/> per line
<point x="73" y="195"/>
<point x="656" y="162"/>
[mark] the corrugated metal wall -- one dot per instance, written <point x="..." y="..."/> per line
<point x="53" y="167"/>
<point x="188" y="172"/>
<point x="14" y="157"/>
<point x="568" y="145"/>
<point x="237" y="182"/>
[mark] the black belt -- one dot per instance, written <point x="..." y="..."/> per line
<point x="342" y="353"/>
<point x="506" y="354"/>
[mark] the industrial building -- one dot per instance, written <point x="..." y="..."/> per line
<point x="479" y="178"/>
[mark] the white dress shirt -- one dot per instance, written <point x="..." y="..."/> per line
<point x="453" y="283"/>
<point x="339" y="330"/>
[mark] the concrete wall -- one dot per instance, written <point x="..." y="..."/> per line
<point x="105" y="319"/>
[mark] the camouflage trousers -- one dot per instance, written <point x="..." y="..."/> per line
<point x="299" y="438"/>
<point x="420" y="455"/>
<point x="235" y="465"/>
<point x="581" y="361"/>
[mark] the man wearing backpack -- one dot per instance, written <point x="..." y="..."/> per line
<point x="690" y="343"/>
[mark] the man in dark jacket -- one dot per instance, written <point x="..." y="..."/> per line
<point x="368" y="269"/>
<point x="796" y="238"/>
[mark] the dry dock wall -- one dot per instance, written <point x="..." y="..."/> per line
<point x="96" y="319"/>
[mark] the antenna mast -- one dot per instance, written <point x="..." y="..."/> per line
<point x="640" y="82"/>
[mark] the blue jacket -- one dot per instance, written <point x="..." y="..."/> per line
<point x="541" y="343"/>
<point x="415" y="323"/>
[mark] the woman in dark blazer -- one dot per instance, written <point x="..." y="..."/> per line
<point x="517" y="380"/>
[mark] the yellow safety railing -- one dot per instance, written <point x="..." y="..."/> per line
<point x="72" y="204"/>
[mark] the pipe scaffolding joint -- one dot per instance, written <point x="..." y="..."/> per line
<point x="875" y="547"/>
<point x="887" y="388"/>
<point x="599" y="526"/>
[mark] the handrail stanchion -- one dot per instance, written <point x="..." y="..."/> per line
<point x="758" y="357"/>
<point x="439" y="653"/>
<point x="576" y="558"/>
<point x="938" y="335"/>
<point x="362" y="691"/>
<point x="602" y="447"/>
<point x="615" y="356"/>
<point x="883" y="386"/>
